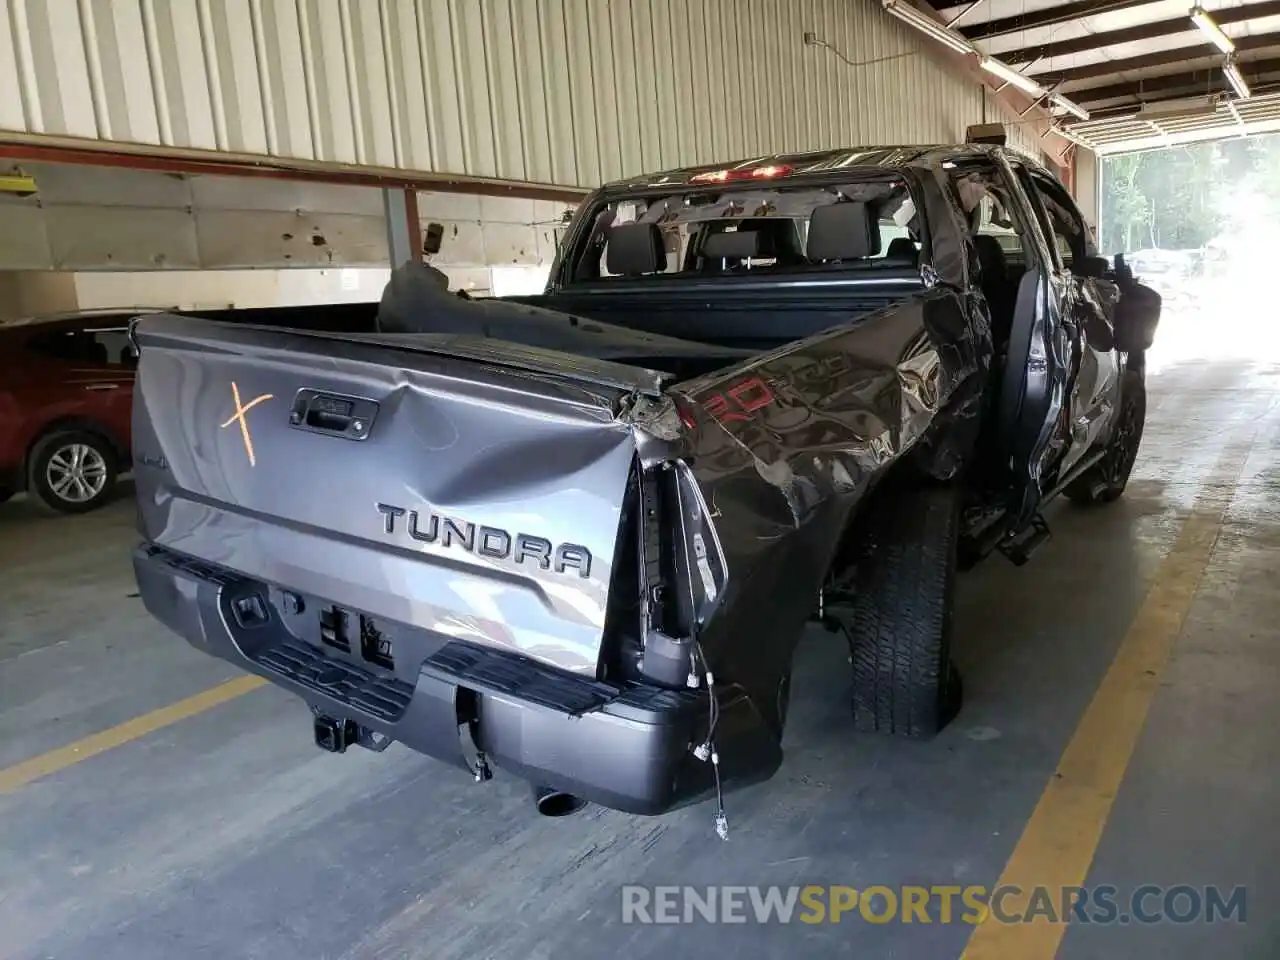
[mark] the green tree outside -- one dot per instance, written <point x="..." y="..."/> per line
<point x="1186" y="197"/>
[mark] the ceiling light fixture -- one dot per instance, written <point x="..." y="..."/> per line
<point x="928" y="26"/>
<point x="1235" y="78"/>
<point x="1012" y="76"/>
<point x="1209" y="27"/>
<point x="1070" y="106"/>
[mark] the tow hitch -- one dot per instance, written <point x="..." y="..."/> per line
<point x="335" y="734"/>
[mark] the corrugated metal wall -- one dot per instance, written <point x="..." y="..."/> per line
<point x="570" y="92"/>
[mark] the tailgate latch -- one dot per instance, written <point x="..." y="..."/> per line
<point x="333" y="414"/>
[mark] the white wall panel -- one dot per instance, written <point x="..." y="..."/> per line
<point x="101" y="218"/>
<point x="239" y="238"/>
<point x="24" y="236"/>
<point x="569" y="92"/>
<point x="106" y="218"/>
<point x="120" y="238"/>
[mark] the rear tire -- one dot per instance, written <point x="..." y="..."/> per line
<point x="72" y="471"/>
<point x="898" y="615"/>
<point x="1105" y="482"/>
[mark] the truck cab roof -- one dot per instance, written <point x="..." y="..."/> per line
<point x="817" y="163"/>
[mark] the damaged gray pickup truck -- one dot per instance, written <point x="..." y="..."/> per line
<point x="577" y="537"/>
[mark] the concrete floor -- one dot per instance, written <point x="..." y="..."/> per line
<point x="228" y="834"/>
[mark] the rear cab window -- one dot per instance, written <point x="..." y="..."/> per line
<point x="696" y="231"/>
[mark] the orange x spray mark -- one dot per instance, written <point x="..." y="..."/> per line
<point x="241" y="410"/>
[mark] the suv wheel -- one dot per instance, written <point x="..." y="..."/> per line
<point x="1106" y="480"/>
<point x="72" y="471"/>
<point x="898" y="614"/>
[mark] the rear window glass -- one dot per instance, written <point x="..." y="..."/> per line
<point x="773" y="225"/>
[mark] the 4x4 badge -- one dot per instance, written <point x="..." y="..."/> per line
<point x="239" y="415"/>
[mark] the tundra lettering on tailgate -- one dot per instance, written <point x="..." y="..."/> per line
<point x="492" y="542"/>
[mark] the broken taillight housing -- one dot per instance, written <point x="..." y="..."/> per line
<point x="668" y="579"/>
<point x="686" y="414"/>
<point x="682" y="573"/>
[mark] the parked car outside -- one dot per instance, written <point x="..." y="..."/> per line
<point x="66" y="396"/>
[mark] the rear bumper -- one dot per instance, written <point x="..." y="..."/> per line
<point x="627" y="748"/>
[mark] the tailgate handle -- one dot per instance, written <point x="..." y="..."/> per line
<point x="333" y="414"/>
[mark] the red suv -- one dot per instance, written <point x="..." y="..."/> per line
<point x="66" y="393"/>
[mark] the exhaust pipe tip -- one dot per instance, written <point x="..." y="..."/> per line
<point x="551" y="802"/>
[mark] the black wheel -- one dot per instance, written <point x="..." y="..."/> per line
<point x="5" y="494"/>
<point x="897" y="615"/>
<point x="1106" y="480"/>
<point x="72" y="471"/>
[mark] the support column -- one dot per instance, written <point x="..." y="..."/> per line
<point x="404" y="233"/>
<point x="1087" y="185"/>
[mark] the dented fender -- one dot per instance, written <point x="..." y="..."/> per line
<point x="786" y="446"/>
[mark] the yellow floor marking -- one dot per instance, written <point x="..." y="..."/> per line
<point x="20" y="774"/>
<point x="1058" y="844"/>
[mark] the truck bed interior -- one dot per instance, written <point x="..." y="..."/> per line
<point x="694" y="294"/>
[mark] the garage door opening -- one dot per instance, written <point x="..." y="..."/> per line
<point x="1200" y="223"/>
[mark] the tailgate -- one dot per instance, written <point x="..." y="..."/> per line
<point x="478" y="498"/>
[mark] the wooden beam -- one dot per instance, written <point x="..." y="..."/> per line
<point x="1048" y="17"/>
<point x="1110" y="68"/>
<point x="17" y="146"/>
<point x="1143" y="31"/>
<point x="1129" y="111"/>
<point x="1191" y="82"/>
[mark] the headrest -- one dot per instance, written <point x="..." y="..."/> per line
<point x="842" y="231"/>
<point x="634" y="249"/>
<point x="901" y="248"/>
<point x="989" y="251"/>
<point x="739" y="245"/>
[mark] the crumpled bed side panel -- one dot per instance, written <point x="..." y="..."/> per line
<point x="787" y="446"/>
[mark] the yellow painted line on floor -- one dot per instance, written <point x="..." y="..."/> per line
<point x="20" y="774"/>
<point x="1059" y="841"/>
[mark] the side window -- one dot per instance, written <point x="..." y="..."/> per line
<point x="1063" y="221"/>
<point x="983" y="198"/>
<point x="119" y="351"/>
<point x="994" y="221"/>
<point x="98" y="348"/>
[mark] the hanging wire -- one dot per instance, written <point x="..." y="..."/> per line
<point x="816" y="42"/>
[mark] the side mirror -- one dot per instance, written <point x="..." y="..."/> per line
<point x="1095" y="267"/>
<point x="433" y="238"/>
<point x="1136" y="317"/>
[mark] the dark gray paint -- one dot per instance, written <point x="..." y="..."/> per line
<point x="542" y="437"/>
